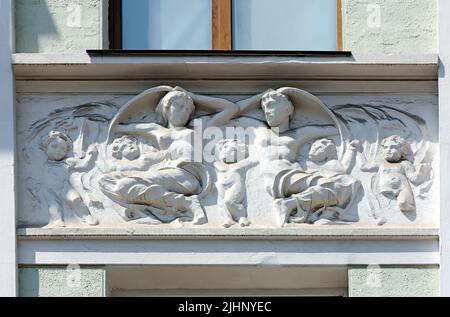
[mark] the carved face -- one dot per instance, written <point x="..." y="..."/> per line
<point x="320" y="151"/>
<point x="231" y="151"/>
<point x="393" y="151"/>
<point x="277" y="111"/>
<point x="179" y="113"/>
<point x="57" y="149"/>
<point x="130" y="149"/>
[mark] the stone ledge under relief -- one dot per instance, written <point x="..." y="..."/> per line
<point x="305" y="233"/>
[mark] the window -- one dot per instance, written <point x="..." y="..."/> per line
<point x="226" y="24"/>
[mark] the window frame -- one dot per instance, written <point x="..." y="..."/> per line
<point x="221" y="25"/>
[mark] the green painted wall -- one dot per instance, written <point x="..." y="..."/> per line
<point x="62" y="281"/>
<point x="57" y="25"/>
<point x="400" y="27"/>
<point x="393" y="281"/>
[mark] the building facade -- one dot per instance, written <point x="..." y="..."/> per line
<point x="263" y="162"/>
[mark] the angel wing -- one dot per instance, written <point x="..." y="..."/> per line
<point x="140" y="105"/>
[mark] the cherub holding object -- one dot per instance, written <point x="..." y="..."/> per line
<point x="59" y="168"/>
<point x="231" y="169"/>
<point x="396" y="172"/>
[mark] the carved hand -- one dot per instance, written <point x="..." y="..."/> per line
<point x="93" y="150"/>
<point x="424" y="168"/>
<point x="355" y="145"/>
<point x="178" y="88"/>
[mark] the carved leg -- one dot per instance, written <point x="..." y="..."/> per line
<point x="196" y="208"/>
<point x="326" y="217"/>
<point x="285" y="207"/>
<point x="228" y="220"/>
<point x="237" y="212"/>
<point x="406" y="201"/>
<point x="313" y="200"/>
<point x="55" y="212"/>
<point x="79" y="207"/>
<point x="157" y="196"/>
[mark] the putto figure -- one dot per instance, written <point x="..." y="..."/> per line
<point x="321" y="193"/>
<point x="59" y="167"/>
<point x="396" y="172"/>
<point x="231" y="169"/>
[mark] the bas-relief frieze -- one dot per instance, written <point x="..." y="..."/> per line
<point x="172" y="157"/>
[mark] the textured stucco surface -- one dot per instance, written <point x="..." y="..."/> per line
<point x="393" y="281"/>
<point x="405" y="27"/>
<point x="57" y="25"/>
<point x="61" y="282"/>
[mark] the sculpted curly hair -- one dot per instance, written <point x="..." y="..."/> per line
<point x="52" y="135"/>
<point x="275" y="95"/>
<point x="163" y="107"/>
<point x="118" y="145"/>
<point x="242" y="149"/>
<point x="330" y="147"/>
<point x="405" y="148"/>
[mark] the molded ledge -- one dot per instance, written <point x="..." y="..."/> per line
<point x="300" y="233"/>
<point x="271" y="67"/>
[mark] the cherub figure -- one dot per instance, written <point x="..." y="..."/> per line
<point x="396" y="172"/>
<point x="59" y="168"/>
<point x="231" y="168"/>
<point x="325" y="189"/>
<point x="323" y="155"/>
<point x="128" y="155"/>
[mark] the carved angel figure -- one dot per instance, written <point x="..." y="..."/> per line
<point x="178" y="185"/>
<point x="59" y="167"/>
<point x="231" y="168"/>
<point x="395" y="173"/>
<point x="285" y="180"/>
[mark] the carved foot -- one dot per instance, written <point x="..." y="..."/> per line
<point x="285" y="207"/>
<point x="228" y="223"/>
<point x="199" y="221"/>
<point x="381" y="221"/>
<point x="244" y="222"/>
<point x="90" y="220"/>
<point x="323" y="221"/>
<point x="406" y="207"/>
<point x="197" y="209"/>
<point x="327" y="217"/>
<point x="147" y="221"/>
<point x="55" y="224"/>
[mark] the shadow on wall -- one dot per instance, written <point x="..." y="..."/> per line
<point x="33" y="22"/>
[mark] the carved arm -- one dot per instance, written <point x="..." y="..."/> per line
<point x="309" y="133"/>
<point x="367" y="166"/>
<point x="416" y="176"/>
<point x="348" y="159"/>
<point x="252" y="103"/>
<point x="224" y="109"/>
<point x="145" y="130"/>
<point x="82" y="163"/>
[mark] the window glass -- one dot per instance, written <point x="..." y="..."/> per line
<point x="285" y="25"/>
<point x="166" y="24"/>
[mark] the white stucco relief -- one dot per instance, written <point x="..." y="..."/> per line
<point x="170" y="157"/>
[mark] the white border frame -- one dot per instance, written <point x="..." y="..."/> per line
<point x="8" y="261"/>
<point x="444" y="141"/>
